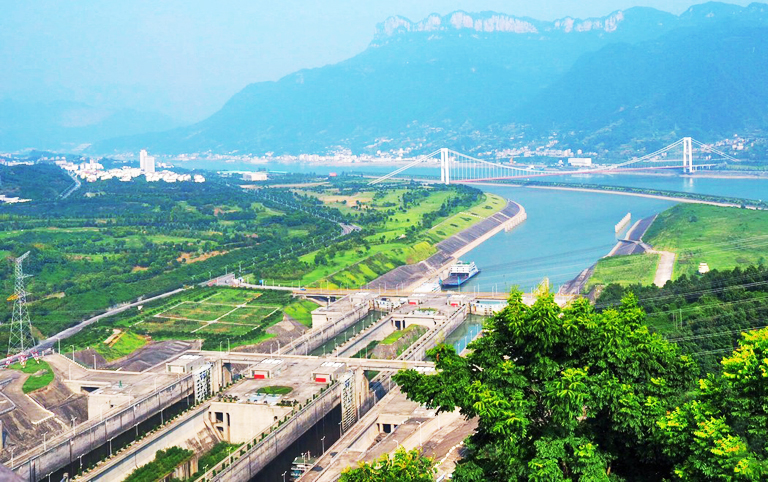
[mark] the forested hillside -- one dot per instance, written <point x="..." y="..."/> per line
<point x="704" y="314"/>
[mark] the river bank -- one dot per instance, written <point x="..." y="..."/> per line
<point x="610" y="190"/>
<point x="449" y="250"/>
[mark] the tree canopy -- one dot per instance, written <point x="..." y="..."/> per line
<point x="404" y="466"/>
<point x="560" y="393"/>
<point x="722" y="432"/>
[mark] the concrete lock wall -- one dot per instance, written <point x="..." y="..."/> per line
<point x="316" y="338"/>
<point x="265" y="451"/>
<point x="177" y="435"/>
<point x="418" y="350"/>
<point x="59" y="455"/>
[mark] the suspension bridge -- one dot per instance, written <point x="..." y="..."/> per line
<point x="687" y="154"/>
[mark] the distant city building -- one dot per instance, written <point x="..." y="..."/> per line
<point x="255" y="176"/>
<point x="146" y="162"/>
<point x="580" y="161"/>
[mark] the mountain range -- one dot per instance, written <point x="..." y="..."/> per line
<point x="480" y="81"/>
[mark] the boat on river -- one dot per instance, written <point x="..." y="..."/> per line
<point x="459" y="274"/>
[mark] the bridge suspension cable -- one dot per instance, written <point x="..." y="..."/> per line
<point x="458" y="167"/>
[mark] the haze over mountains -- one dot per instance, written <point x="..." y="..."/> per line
<point x="480" y="81"/>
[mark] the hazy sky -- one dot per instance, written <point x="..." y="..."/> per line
<point x="185" y="58"/>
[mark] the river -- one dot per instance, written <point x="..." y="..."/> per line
<point x="566" y="231"/>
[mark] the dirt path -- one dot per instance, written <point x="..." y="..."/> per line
<point x="665" y="267"/>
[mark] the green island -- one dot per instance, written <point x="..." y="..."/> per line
<point x="721" y="237"/>
<point x="712" y="198"/>
<point x="401" y="225"/>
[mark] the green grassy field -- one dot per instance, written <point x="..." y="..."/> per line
<point x="396" y="335"/>
<point x="625" y="270"/>
<point x="233" y="297"/>
<point x="225" y="329"/>
<point x="40" y="375"/>
<point x="205" y="311"/>
<point x="247" y="315"/>
<point x="127" y="343"/>
<point x="491" y="204"/>
<point x="301" y="311"/>
<point x="353" y="268"/>
<point x="721" y="237"/>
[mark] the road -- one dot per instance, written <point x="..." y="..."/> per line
<point x="75" y="187"/>
<point x="665" y="267"/>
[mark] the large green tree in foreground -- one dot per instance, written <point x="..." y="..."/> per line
<point x="561" y="393"/>
<point x="722" y="433"/>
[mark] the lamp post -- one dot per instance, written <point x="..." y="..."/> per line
<point x="420" y="424"/>
<point x="323" y="442"/>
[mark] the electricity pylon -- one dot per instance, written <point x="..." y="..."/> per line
<point x="20" y="338"/>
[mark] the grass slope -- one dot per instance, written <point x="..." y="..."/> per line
<point x="353" y="268"/>
<point x="301" y="311"/>
<point x="723" y="238"/>
<point x="625" y="270"/>
<point x="40" y="375"/>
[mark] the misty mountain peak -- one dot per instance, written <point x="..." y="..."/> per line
<point x="607" y="24"/>
<point x="490" y="22"/>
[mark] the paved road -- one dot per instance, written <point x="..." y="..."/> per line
<point x="665" y="267"/>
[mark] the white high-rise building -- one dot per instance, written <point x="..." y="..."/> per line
<point x="146" y="162"/>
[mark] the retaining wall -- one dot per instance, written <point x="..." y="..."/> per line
<point x="93" y="434"/>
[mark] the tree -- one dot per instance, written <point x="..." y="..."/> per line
<point x="722" y="433"/>
<point x="559" y="394"/>
<point x="405" y="466"/>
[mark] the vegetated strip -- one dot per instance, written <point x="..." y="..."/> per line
<point x="696" y="197"/>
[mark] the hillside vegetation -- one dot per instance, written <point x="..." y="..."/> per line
<point x="724" y="238"/>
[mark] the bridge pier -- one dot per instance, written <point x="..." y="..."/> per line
<point x="445" y="171"/>
<point x="687" y="155"/>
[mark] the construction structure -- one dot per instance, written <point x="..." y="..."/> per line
<point x="20" y="338"/>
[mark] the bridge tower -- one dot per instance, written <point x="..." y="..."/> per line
<point x="445" y="171"/>
<point x="20" y="338"/>
<point x="687" y="155"/>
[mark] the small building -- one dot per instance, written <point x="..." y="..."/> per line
<point x="185" y="364"/>
<point x="459" y="300"/>
<point x="328" y="372"/>
<point x="265" y="369"/>
<point x="580" y="161"/>
<point x="703" y="268"/>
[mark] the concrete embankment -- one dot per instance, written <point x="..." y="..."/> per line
<point x="631" y="244"/>
<point x="63" y="450"/>
<point x="451" y="249"/>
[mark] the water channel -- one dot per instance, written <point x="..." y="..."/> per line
<point x="369" y="319"/>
